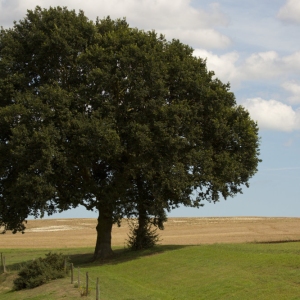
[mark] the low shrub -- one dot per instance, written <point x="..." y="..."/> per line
<point x="83" y="292"/>
<point x="40" y="271"/>
<point x="142" y="238"/>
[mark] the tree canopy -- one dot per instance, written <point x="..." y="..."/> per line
<point x="113" y="118"/>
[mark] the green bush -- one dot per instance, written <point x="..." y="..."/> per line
<point x="40" y="271"/>
<point x="142" y="238"/>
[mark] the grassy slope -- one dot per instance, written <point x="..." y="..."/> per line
<point x="220" y="271"/>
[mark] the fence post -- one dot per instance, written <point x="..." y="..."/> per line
<point x="78" y="278"/>
<point x="72" y="277"/>
<point x="1" y="259"/>
<point x="97" y="290"/>
<point x="87" y="283"/>
<point x="65" y="266"/>
<point x="3" y="262"/>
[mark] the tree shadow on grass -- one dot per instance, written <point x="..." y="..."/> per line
<point x="121" y="256"/>
<point x="277" y="242"/>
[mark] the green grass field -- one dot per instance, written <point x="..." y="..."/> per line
<point x="219" y="271"/>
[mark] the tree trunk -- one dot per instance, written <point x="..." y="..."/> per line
<point x="142" y="221"/>
<point x="142" y="229"/>
<point x="104" y="228"/>
<point x="143" y="217"/>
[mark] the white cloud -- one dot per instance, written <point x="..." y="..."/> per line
<point x="177" y="19"/>
<point x="11" y="10"/>
<point x="273" y="115"/>
<point x="292" y="62"/>
<point x="207" y="38"/>
<point x="290" y="12"/>
<point x="271" y="69"/>
<point x="269" y="65"/>
<point x="256" y="67"/>
<point x="294" y="89"/>
<point x="223" y="65"/>
<point x="261" y="65"/>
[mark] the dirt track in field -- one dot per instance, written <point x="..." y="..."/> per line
<point x="61" y="233"/>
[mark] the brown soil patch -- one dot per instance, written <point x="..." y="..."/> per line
<point x="64" y="233"/>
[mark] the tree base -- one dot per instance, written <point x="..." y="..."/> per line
<point x="103" y="253"/>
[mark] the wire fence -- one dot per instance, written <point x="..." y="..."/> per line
<point x="86" y="289"/>
<point x="85" y="284"/>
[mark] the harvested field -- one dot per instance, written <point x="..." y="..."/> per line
<point x="62" y="233"/>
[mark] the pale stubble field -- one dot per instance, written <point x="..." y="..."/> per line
<point x="65" y="233"/>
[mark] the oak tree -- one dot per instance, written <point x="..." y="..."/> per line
<point x="113" y="118"/>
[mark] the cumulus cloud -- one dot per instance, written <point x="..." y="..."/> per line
<point x="290" y="12"/>
<point x="293" y="88"/>
<point x="224" y="65"/>
<point x="292" y="62"/>
<point x="256" y="67"/>
<point x="268" y="65"/>
<point x="177" y="19"/>
<point x="273" y="115"/>
<point x="271" y="69"/>
<point x="261" y="65"/>
<point x="206" y="37"/>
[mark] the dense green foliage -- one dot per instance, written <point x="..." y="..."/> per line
<point x="142" y="237"/>
<point x="220" y="271"/>
<point x="40" y="271"/>
<point x="113" y="118"/>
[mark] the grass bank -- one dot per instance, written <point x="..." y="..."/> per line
<point x="219" y="271"/>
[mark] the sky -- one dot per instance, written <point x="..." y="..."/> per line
<point x="255" y="46"/>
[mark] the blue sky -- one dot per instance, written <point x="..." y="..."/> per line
<point x="255" y="46"/>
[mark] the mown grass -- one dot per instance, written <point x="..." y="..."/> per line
<point x="219" y="271"/>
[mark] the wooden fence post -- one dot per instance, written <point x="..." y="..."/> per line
<point x="72" y="275"/>
<point x="87" y="283"/>
<point x="3" y="262"/>
<point x="97" y="290"/>
<point x="65" y="266"/>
